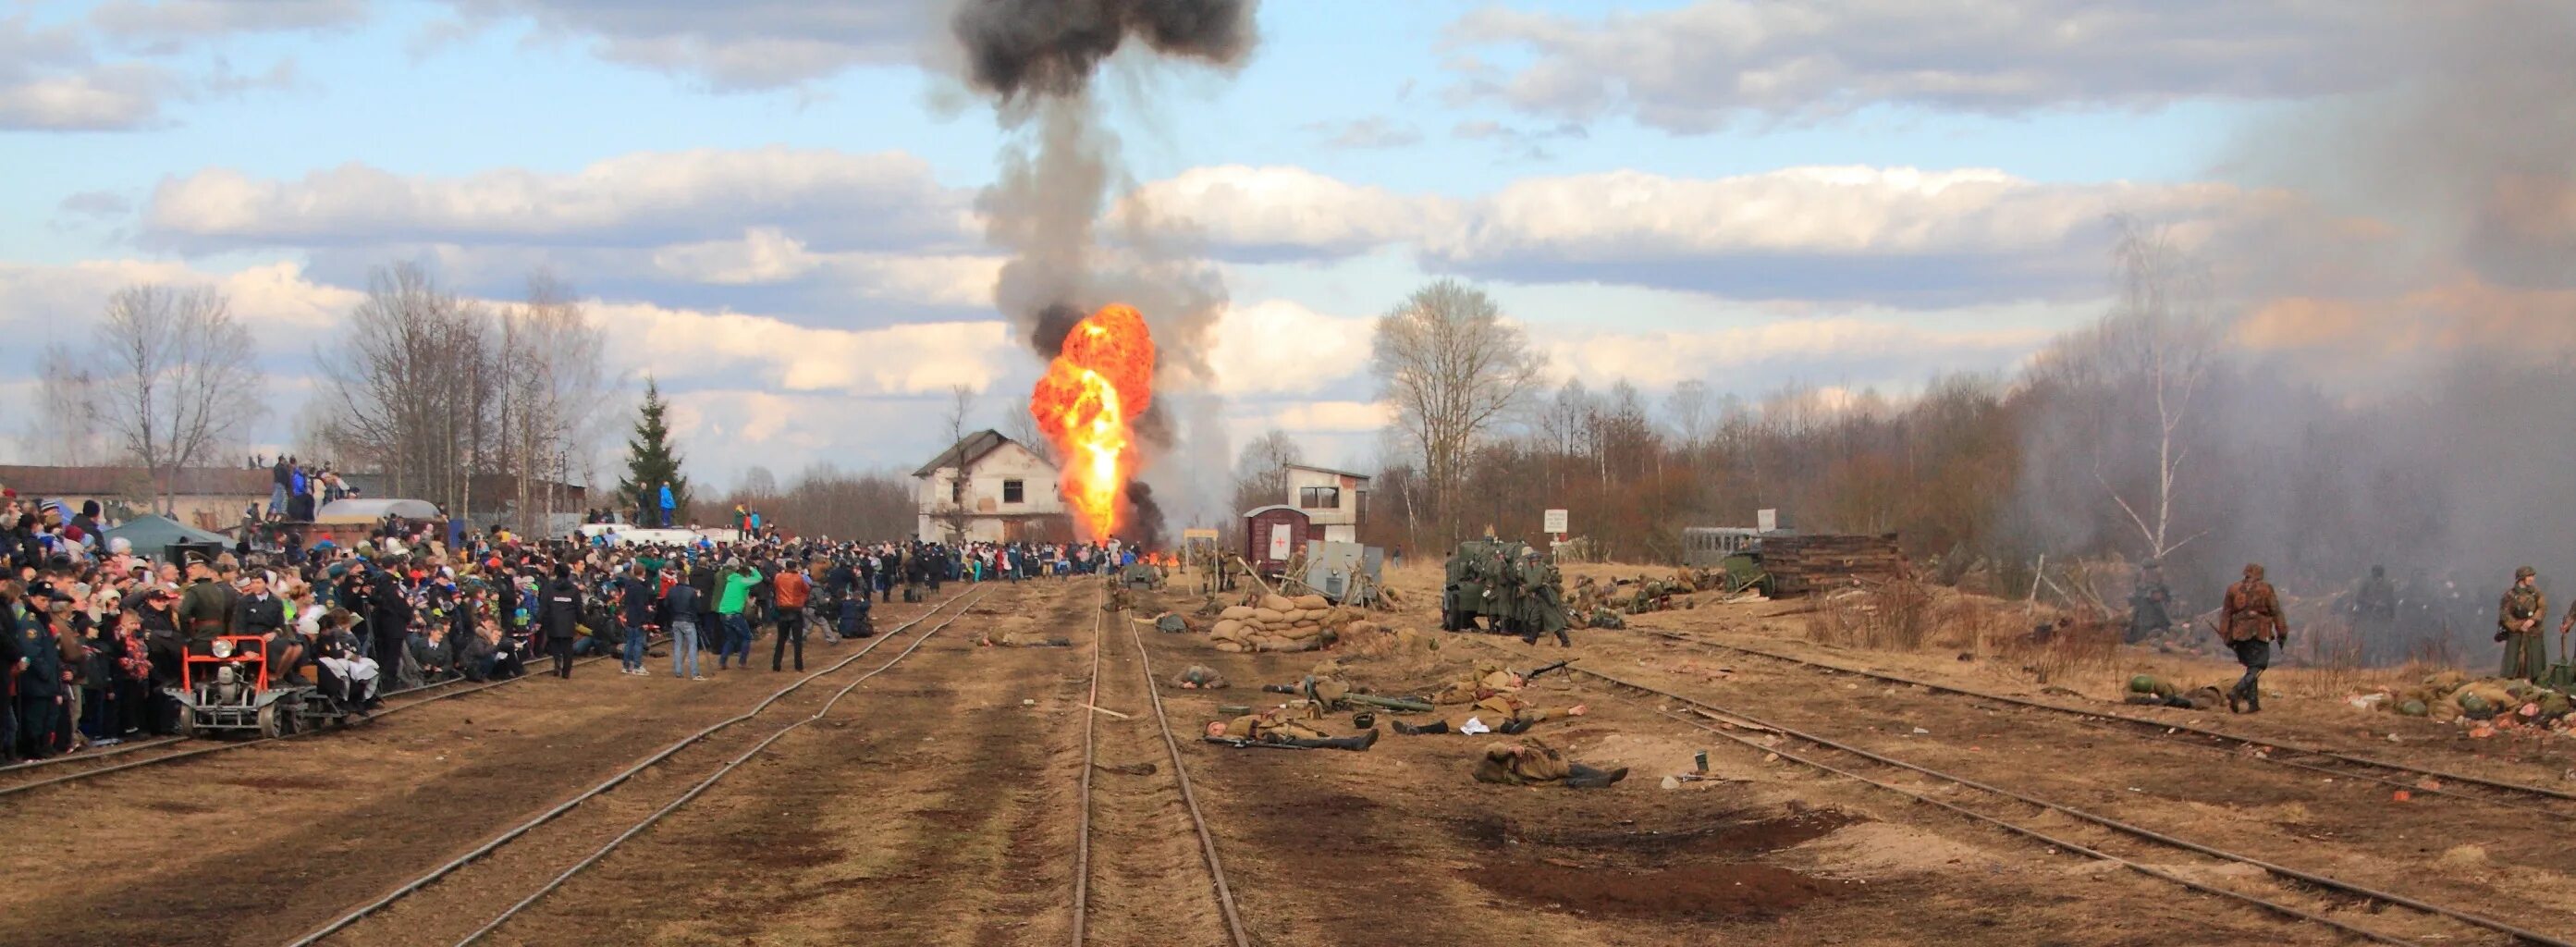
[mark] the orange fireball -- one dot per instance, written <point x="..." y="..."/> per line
<point x="1101" y="380"/>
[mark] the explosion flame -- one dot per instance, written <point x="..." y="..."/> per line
<point x="1102" y="379"/>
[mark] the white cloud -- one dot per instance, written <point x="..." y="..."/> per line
<point x="1250" y="211"/>
<point x="744" y="45"/>
<point x="65" y="301"/>
<point x="1849" y="346"/>
<point x="828" y="198"/>
<point x="1701" y="67"/>
<point x="1277" y="347"/>
<point x="1922" y="237"/>
<point x="766" y="255"/>
<point x="1333" y="417"/>
<point x="168" y="21"/>
<point x="722" y="348"/>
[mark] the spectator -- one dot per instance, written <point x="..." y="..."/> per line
<point x="680" y="614"/>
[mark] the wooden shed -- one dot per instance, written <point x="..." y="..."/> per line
<point x="1801" y="565"/>
<point x="1274" y="534"/>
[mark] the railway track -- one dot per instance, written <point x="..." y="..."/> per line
<point x="378" y="906"/>
<point x="1084" y="930"/>
<point x="2416" y="779"/>
<point x="1707" y="716"/>
<point x="39" y="774"/>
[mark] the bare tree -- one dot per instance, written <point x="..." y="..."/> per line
<point x="1689" y="408"/>
<point x="2160" y="337"/>
<point x="956" y="517"/>
<point x="175" y="381"/>
<point x="1261" y="470"/>
<point x="553" y="394"/>
<point x="413" y="387"/>
<point x="1019" y="425"/>
<point x="1452" y="367"/>
<point x="65" y="426"/>
<point x="758" y="483"/>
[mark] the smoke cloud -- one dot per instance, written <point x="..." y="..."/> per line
<point x="2388" y="369"/>
<point x="1037" y="59"/>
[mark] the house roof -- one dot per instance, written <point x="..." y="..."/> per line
<point x="33" y="481"/>
<point x="965" y="452"/>
<point x="1258" y="510"/>
<point x="1329" y="470"/>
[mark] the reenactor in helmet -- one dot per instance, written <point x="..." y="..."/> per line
<point x="1529" y="761"/>
<point x="2251" y="623"/>
<point x="2526" y="654"/>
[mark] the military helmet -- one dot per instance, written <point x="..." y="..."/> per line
<point x="1364" y="720"/>
<point x="2525" y="572"/>
<point x="2253" y="570"/>
<point x="2412" y="708"/>
<point x="2142" y="684"/>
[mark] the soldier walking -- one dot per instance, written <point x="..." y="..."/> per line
<point x="2526" y="655"/>
<point x="2252" y="622"/>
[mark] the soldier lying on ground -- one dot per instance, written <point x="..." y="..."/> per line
<point x="1529" y="761"/>
<point x="1285" y="726"/>
<point x="1484" y="680"/>
<point x="1012" y="639"/>
<point x="2147" y="690"/>
<point x="1201" y="678"/>
<point x="1505" y="713"/>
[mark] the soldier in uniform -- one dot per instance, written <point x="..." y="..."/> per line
<point x="207" y="608"/>
<point x="2150" y="604"/>
<point x="2251" y="623"/>
<point x="1529" y="761"/>
<point x="1013" y="639"/>
<point x="2526" y="654"/>
<point x="1502" y="712"/>
<point x="1285" y="725"/>
<point x="1542" y="607"/>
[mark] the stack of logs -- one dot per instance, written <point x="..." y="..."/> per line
<point x="1800" y="565"/>
<point x="1280" y="623"/>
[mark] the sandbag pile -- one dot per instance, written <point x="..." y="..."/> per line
<point x="1280" y="623"/>
<point x="2486" y="705"/>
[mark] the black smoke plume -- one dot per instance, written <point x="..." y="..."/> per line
<point x="1038" y="59"/>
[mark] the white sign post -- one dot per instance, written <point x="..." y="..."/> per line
<point x="1555" y="523"/>
<point x="1766" y="520"/>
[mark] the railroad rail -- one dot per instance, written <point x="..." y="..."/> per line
<point x="2492" y="792"/>
<point x="1215" y="865"/>
<point x="2311" y="879"/>
<point x="222" y="746"/>
<point x="514" y="833"/>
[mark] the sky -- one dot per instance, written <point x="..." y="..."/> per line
<point x="771" y="204"/>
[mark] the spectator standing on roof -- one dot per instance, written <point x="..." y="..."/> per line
<point x="667" y="504"/>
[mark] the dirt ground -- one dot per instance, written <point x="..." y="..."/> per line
<point x="938" y="804"/>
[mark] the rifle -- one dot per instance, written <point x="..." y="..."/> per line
<point x="1243" y="744"/>
<point x="1533" y="675"/>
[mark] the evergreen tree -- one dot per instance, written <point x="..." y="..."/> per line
<point x="650" y="463"/>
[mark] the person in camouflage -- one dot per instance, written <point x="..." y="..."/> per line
<point x="2526" y="653"/>
<point x="1285" y="725"/>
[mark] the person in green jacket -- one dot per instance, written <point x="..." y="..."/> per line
<point x="738" y="581"/>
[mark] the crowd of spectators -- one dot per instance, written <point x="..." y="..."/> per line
<point x="97" y="632"/>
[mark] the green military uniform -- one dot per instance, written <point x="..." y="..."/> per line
<point x="2526" y="653"/>
<point x="1542" y="609"/>
<point x="206" y="610"/>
